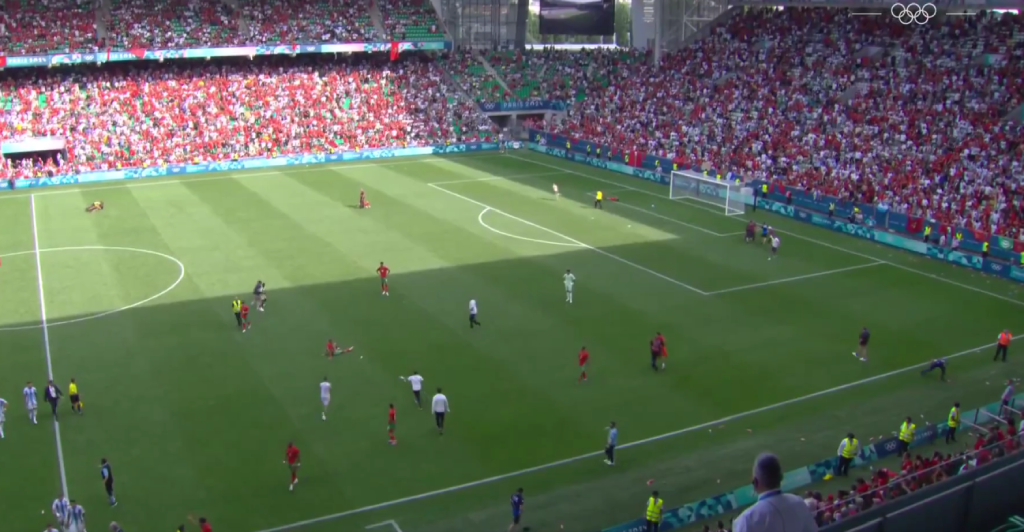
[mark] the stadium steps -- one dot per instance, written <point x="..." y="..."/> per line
<point x="491" y="71"/>
<point x="706" y="29"/>
<point x="377" y="18"/>
<point x="855" y="90"/>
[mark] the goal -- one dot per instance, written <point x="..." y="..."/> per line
<point x="693" y="186"/>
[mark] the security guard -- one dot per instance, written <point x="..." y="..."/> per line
<point x="831" y="210"/>
<point x="906" y="436"/>
<point x="236" y="307"/>
<point x="848" y="449"/>
<point x="589" y="148"/>
<point x="984" y="250"/>
<point x="953" y="423"/>
<point x="653" y="515"/>
<point x="598" y="152"/>
<point x="675" y="167"/>
<point x="927" y="232"/>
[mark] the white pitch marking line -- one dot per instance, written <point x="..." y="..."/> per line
<point x="390" y="522"/>
<point x="496" y="178"/>
<point x="573" y="240"/>
<point x="666" y="218"/>
<point x="481" y="220"/>
<point x="808" y="239"/>
<point x="797" y="278"/>
<point x="46" y="341"/>
<point x="232" y="174"/>
<point x="181" y="275"/>
<point x="702" y="426"/>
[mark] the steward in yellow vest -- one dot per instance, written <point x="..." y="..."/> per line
<point x="848" y="449"/>
<point x="953" y="423"/>
<point x="906" y="435"/>
<point x="653" y="514"/>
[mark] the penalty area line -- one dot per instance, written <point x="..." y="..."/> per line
<point x="734" y="417"/>
<point x="797" y="278"/>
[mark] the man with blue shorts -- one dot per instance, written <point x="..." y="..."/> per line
<point x="517" y="509"/>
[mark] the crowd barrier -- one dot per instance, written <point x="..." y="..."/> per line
<point x="867" y="230"/>
<point x="144" y="54"/>
<point x="744" y="496"/>
<point x="243" y="164"/>
<point x="1002" y="248"/>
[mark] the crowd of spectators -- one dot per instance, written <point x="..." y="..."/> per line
<point x="859" y="107"/>
<point x="413" y="20"/>
<point x="302" y="21"/>
<point x="564" y="75"/>
<point x="47" y="26"/>
<point x="170" y="24"/>
<point x="878" y="487"/>
<point x="473" y="76"/>
<point x="153" y="114"/>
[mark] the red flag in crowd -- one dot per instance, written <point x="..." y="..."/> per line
<point x="3" y="61"/>
<point x="137" y="52"/>
<point x="915" y="224"/>
<point x="394" y="51"/>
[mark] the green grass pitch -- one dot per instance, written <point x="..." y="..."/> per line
<point x="194" y="415"/>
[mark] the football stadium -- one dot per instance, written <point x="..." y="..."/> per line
<point x="752" y="266"/>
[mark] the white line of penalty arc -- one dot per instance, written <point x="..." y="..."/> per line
<point x="566" y="461"/>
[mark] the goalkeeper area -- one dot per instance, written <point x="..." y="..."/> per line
<point x="195" y="416"/>
<point x="730" y="197"/>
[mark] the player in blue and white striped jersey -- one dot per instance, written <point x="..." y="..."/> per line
<point x="76" y="518"/>
<point x="61" y="511"/>
<point x="31" y="401"/>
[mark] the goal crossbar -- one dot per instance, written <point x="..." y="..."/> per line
<point x="725" y="195"/>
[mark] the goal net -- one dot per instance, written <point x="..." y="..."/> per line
<point x="696" y="187"/>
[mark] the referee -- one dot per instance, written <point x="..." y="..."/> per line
<point x="236" y="307"/>
<point x="108" y="480"/>
<point x="439" y="405"/>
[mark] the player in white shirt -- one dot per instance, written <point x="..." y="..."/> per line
<point x="472" y="314"/>
<point x="3" y="408"/>
<point x="775" y="246"/>
<point x="439" y="405"/>
<point x="417" y="386"/>
<point x="76" y="518"/>
<point x="61" y="509"/>
<point x="554" y="187"/>
<point x="31" y="401"/>
<point x="569" y="279"/>
<point x="325" y="397"/>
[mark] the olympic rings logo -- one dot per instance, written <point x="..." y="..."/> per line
<point x="913" y="13"/>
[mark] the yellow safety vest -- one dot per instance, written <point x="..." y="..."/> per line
<point x="568" y="145"/>
<point x="654" y="509"/>
<point x="907" y="432"/>
<point x="236" y="305"/>
<point x="959" y="235"/>
<point x="599" y="151"/>
<point x="764" y="189"/>
<point x="588" y="150"/>
<point x="675" y="167"/>
<point x="657" y="163"/>
<point x="627" y="158"/>
<point x="927" y="230"/>
<point x="831" y="206"/>
<point x="850" y="450"/>
<point x="984" y="247"/>
<point x="954" y="417"/>
<point x="718" y="177"/>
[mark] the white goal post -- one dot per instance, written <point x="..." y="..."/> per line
<point x="693" y="186"/>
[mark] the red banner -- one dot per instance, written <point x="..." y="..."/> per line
<point x="3" y="61"/>
<point x="394" y="51"/>
<point x="139" y="53"/>
<point x="915" y="225"/>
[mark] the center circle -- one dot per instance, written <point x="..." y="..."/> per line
<point x="181" y="275"/>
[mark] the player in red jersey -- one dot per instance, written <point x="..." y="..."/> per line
<point x="584" y="358"/>
<point x="334" y="349"/>
<point x="391" y="425"/>
<point x="245" y="317"/>
<point x="291" y="455"/>
<point x="383" y="271"/>
<point x="363" y="204"/>
<point x="660" y="340"/>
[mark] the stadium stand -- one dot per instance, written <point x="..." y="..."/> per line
<point x="153" y="114"/>
<point x="302" y="22"/>
<point x="858" y="107"/>
<point x="170" y="24"/>
<point x="410" y="20"/>
<point x="473" y="76"/>
<point x="552" y="74"/>
<point x="47" y="26"/>
<point x="883" y="485"/>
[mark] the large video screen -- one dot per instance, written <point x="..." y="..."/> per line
<point x="577" y="17"/>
